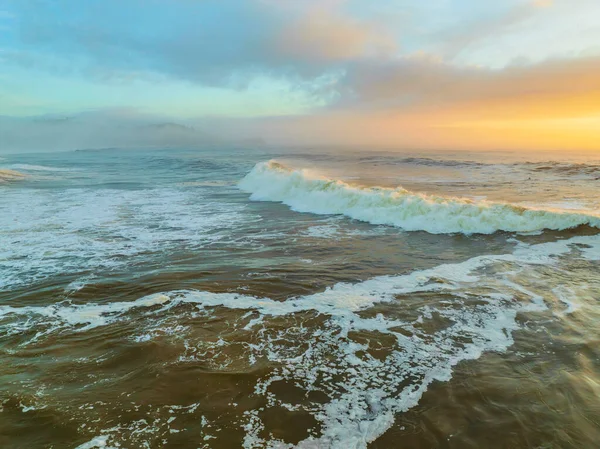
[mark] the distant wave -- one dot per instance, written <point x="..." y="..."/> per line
<point x="554" y="167"/>
<point x="28" y="167"/>
<point x="564" y="168"/>
<point x="426" y="161"/>
<point x="305" y="192"/>
<point x="10" y="175"/>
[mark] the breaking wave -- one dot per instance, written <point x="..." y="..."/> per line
<point x="306" y="192"/>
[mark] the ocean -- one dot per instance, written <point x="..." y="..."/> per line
<point x="340" y="298"/>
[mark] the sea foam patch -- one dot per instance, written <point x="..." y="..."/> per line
<point x="85" y="231"/>
<point x="371" y="348"/>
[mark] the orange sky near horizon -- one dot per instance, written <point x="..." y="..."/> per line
<point x="453" y="129"/>
<point x="451" y="74"/>
<point x="535" y="121"/>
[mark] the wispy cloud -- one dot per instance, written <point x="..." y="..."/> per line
<point x="213" y="42"/>
<point x="418" y="82"/>
<point x="456" y="40"/>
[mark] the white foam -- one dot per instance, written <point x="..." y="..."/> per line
<point x="567" y="297"/>
<point x="304" y="191"/>
<point x="82" y="317"/>
<point x="100" y="442"/>
<point x="476" y="302"/>
<point x="564" y="205"/>
<point x="323" y="231"/>
<point x="30" y="167"/>
<point x="84" y="231"/>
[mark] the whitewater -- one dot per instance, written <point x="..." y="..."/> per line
<point x="305" y="191"/>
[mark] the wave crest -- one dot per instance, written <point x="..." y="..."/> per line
<point x="30" y="167"/>
<point x="565" y="168"/>
<point x="305" y="192"/>
<point x="557" y="168"/>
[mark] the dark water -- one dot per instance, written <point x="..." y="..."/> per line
<point x="146" y="301"/>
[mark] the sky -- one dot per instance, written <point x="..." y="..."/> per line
<point x="514" y="74"/>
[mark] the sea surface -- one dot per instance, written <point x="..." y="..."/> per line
<point x="263" y="298"/>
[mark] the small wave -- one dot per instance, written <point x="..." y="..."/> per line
<point x="564" y="168"/>
<point x="87" y="316"/>
<point x="551" y="167"/>
<point x="207" y="183"/>
<point x="28" y="167"/>
<point x="422" y="161"/>
<point x="10" y="175"/>
<point x="305" y="192"/>
<point x="555" y="167"/>
<point x="430" y="162"/>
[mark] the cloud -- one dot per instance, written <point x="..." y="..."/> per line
<point x="321" y="35"/>
<point x="529" y="31"/>
<point x="420" y="82"/>
<point x="224" y="42"/>
<point x="359" y="82"/>
<point x="318" y="46"/>
<point x="459" y="39"/>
